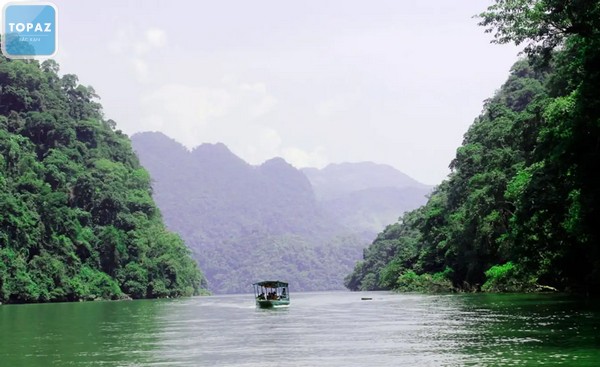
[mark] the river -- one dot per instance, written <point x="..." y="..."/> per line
<point x="318" y="329"/>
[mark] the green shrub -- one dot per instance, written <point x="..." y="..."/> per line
<point x="502" y="278"/>
<point x="439" y="282"/>
<point x="409" y="281"/>
<point x="91" y="284"/>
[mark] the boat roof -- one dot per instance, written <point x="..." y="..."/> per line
<point x="271" y="284"/>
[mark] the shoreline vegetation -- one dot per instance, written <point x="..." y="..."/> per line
<point x="519" y="210"/>
<point x="77" y="217"/>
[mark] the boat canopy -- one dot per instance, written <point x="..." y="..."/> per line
<point x="271" y="284"/>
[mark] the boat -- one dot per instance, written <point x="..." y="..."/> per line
<point x="271" y="294"/>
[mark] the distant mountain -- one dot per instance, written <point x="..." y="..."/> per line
<point x="246" y="223"/>
<point x="366" y="196"/>
<point x="338" y="179"/>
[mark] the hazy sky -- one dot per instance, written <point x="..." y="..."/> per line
<point x="315" y="82"/>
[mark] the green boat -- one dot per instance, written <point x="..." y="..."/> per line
<point x="271" y="294"/>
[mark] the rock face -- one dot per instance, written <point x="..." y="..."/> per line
<point x="246" y="223"/>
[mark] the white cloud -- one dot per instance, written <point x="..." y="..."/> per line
<point x="362" y="81"/>
<point x="156" y="37"/>
<point x="232" y="112"/>
<point x="140" y="69"/>
<point x="229" y="112"/>
<point x="269" y="140"/>
<point x="336" y="104"/>
<point x="264" y="104"/>
<point x="128" y="43"/>
<point x="301" y="158"/>
<point x="182" y="111"/>
<point x="265" y="142"/>
<point x="119" y="43"/>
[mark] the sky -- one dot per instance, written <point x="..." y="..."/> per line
<point x="314" y="82"/>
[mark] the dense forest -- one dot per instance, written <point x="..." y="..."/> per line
<point x="247" y="223"/>
<point x="519" y="211"/>
<point x="77" y="219"/>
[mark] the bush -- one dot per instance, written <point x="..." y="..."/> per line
<point x="431" y="283"/>
<point x="409" y="282"/>
<point x="92" y="284"/>
<point x="503" y="278"/>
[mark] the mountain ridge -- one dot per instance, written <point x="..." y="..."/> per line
<point x="234" y="214"/>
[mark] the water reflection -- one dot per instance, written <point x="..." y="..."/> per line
<point x="91" y="333"/>
<point x="531" y="330"/>
<point x="325" y="329"/>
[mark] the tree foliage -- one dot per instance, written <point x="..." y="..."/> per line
<point x="77" y="219"/>
<point x="247" y="223"/>
<point x="520" y="208"/>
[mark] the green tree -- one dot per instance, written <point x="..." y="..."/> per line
<point x="520" y="208"/>
<point x="77" y="219"/>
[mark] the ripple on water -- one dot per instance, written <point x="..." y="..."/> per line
<point x="324" y="329"/>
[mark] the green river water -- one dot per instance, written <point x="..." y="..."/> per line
<point x="318" y="329"/>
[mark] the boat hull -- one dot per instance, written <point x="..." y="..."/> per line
<point x="264" y="303"/>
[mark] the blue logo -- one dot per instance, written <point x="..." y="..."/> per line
<point x="29" y="30"/>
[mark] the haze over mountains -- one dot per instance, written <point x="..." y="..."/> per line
<point x="365" y="196"/>
<point x="246" y="223"/>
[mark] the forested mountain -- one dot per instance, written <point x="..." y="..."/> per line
<point x="365" y="196"/>
<point x="77" y="219"/>
<point x="247" y="223"/>
<point x="222" y="190"/>
<point x="520" y="209"/>
<point x="338" y="179"/>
